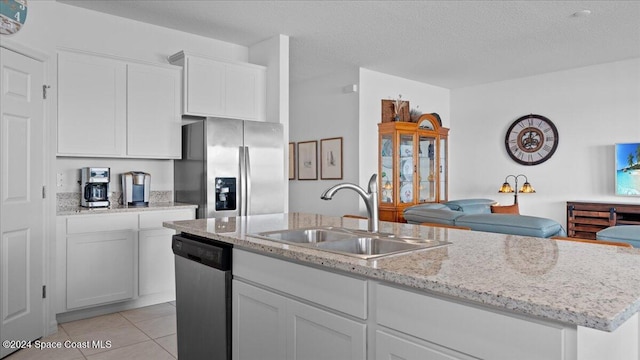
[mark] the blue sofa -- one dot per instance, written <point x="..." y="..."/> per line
<point x="624" y="233"/>
<point x="476" y="214"/>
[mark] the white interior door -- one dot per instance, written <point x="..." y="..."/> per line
<point x="21" y="203"/>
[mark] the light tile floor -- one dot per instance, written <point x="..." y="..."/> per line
<point x="147" y="333"/>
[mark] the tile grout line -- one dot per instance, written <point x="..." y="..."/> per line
<point x="149" y="336"/>
<point x="106" y="351"/>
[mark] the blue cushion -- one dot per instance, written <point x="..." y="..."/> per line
<point x="472" y="206"/>
<point x="623" y="233"/>
<point x="416" y="215"/>
<point x="512" y="224"/>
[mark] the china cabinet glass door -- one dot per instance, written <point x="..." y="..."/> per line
<point x="386" y="168"/>
<point x="427" y="169"/>
<point x="406" y="168"/>
<point x="443" y="169"/>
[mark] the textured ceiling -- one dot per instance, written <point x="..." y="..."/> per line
<point x="450" y="44"/>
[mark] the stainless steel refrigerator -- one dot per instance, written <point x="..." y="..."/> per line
<point x="231" y="167"/>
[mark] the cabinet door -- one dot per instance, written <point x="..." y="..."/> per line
<point x="100" y="268"/>
<point x="443" y="170"/>
<point x="392" y="347"/>
<point x="426" y="168"/>
<point x="156" y="266"/>
<point x="91" y="105"/>
<point x="153" y="111"/>
<point x="258" y="323"/>
<point x="204" y="87"/>
<point x="406" y="168"/>
<point x="318" y="334"/>
<point x="387" y="176"/>
<point x="245" y="88"/>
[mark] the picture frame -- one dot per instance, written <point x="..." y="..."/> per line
<point x="292" y="161"/>
<point x="331" y="159"/>
<point x="627" y="169"/>
<point x="308" y="160"/>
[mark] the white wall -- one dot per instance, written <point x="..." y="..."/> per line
<point x="592" y="107"/>
<point x="375" y="87"/>
<point x="320" y="109"/>
<point x="274" y="54"/>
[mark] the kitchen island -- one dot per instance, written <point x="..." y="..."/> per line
<point x="485" y="295"/>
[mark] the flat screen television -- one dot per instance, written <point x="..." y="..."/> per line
<point x="628" y="169"/>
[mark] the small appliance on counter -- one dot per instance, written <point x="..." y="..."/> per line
<point x="136" y="188"/>
<point x="94" y="183"/>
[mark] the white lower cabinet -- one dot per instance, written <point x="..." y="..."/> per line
<point x="296" y="311"/>
<point x="467" y="329"/>
<point x="389" y="346"/>
<point x="313" y="313"/>
<point x="314" y="333"/>
<point x="124" y="258"/>
<point x="258" y="323"/>
<point x="156" y="262"/>
<point x="271" y="326"/>
<point x="100" y="268"/>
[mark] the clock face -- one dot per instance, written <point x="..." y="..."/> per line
<point x="13" y="14"/>
<point x="531" y="140"/>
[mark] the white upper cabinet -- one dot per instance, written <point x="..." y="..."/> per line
<point x="153" y="112"/>
<point x="220" y="88"/>
<point x="92" y="105"/>
<point x="110" y="107"/>
<point x="203" y="87"/>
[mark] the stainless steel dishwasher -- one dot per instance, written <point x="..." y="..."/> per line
<point x="203" y="297"/>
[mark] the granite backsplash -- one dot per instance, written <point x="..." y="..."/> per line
<point x="67" y="200"/>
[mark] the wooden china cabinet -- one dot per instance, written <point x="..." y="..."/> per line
<point x="412" y="165"/>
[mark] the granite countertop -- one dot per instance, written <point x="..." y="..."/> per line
<point x="595" y="286"/>
<point x="118" y="208"/>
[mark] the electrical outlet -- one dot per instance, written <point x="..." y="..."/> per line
<point x="59" y="179"/>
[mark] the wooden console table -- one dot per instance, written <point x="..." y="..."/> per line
<point x="585" y="219"/>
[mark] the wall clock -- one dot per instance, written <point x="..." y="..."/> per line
<point x="13" y="14"/>
<point x="531" y="139"/>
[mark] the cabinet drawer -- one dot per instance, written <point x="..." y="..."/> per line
<point x="470" y="330"/>
<point x="338" y="292"/>
<point x="154" y="219"/>
<point x="389" y="346"/>
<point x="102" y="222"/>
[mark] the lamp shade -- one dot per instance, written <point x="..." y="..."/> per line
<point x="506" y="188"/>
<point x="527" y="188"/>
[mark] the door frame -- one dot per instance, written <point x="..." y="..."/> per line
<point x="49" y="209"/>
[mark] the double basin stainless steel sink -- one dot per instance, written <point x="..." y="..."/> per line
<point x="357" y="243"/>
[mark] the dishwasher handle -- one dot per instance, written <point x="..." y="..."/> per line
<point x="207" y="252"/>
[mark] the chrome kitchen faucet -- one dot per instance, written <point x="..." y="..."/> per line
<point x="370" y="198"/>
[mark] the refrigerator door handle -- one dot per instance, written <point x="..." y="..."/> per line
<point x="241" y="183"/>
<point x="247" y="173"/>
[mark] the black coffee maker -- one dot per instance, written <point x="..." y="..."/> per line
<point x="94" y="183"/>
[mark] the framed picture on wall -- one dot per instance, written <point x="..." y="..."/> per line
<point x="331" y="159"/>
<point x="292" y="161"/>
<point x="308" y="160"/>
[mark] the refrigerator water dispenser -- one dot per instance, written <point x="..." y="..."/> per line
<point x="225" y="193"/>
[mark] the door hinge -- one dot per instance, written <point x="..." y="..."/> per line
<point x="44" y="192"/>
<point x="44" y="90"/>
<point x="44" y="291"/>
